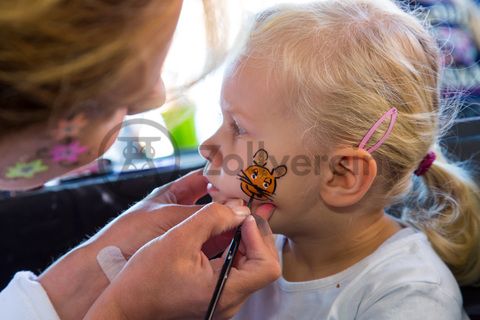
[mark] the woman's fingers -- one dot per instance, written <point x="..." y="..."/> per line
<point x="256" y="240"/>
<point x="218" y="244"/>
<point x="253" y="270"/>
<point x="189" y="188"/>
<point x="265" y="211"/>
<point x="168" y="216"/>
<point x="265" y="232"/>
<point x="210" y="221"/>
<point x="221" y="242"/>
<point x="188" y="272"/>
<point x="185" y="190"/>
<point x="260" y="264"/>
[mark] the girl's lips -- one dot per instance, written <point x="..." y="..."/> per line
<point x="211" y="188"/>
<point x="264" y="210"/>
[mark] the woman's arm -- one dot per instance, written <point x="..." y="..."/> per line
<point x="76" y="280"/>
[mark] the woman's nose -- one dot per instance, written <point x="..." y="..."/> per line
<point x="154" y="100"/>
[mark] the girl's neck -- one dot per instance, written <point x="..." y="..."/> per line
<point x="319" y="256"/>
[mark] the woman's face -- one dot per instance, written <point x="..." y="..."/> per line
<point x="23" y="147"/>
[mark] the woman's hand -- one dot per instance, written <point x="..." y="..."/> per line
<point x="172" y="278"/>
<point x="164" y="208"/>
<point x="75" y="281"/>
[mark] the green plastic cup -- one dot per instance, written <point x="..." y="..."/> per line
<point x="179" y="119"/>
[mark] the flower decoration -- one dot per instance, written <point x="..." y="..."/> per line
<point x="70" y="128"/>
<point x="67" y="152"/>
<point x="26" y="170"/>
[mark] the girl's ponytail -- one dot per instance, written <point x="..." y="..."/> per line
<point x="445" y="204"/>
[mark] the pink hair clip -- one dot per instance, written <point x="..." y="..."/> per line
<point x="392" y="113"/>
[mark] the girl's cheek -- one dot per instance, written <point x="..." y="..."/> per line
<point x="231" y="186"/>
<point x="227" y="192"/>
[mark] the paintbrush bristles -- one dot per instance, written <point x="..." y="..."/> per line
<point x="249" y="204"/>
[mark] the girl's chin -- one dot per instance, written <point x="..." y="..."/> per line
<point x="219" y="196"/>
<point x="261" y="208"/>
<point x="222" y="198"/>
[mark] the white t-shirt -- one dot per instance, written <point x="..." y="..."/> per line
<point x="403" y="279"/>
<point x="25" y="299"/>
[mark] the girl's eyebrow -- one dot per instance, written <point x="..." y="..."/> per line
<point x="238" y="112"/>
<point x="233" y="110"/>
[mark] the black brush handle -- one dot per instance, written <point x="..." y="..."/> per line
<point x="227" y="266"/>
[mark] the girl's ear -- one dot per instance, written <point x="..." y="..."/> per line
<point x="348" y="177"/>
<point x="279" y="171"/>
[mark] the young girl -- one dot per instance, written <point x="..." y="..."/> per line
<point x="331" y="114"/>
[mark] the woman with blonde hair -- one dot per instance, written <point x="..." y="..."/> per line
<point x="69" y="73"/>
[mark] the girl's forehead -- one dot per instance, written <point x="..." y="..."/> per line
<point x="247" y="89"/>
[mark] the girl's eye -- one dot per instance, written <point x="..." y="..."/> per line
<point x="265" y="185"/>
<point x="254" y="176"/>
<point x="237" y="130"/>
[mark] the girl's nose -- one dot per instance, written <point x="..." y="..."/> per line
<point x="211" y="152"/>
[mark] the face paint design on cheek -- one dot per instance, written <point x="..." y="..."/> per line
<point x="257" y="181"/>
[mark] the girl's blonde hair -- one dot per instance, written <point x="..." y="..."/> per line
<point x="344" y="63"/>
<point x="57" y="57"/>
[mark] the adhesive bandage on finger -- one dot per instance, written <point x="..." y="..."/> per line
<point x="112" y="261"/>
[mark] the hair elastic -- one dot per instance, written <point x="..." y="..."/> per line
<point x="392" y="113"/>
<point x="425" y="164"/>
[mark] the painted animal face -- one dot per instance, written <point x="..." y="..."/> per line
<point x="257" y="181"/>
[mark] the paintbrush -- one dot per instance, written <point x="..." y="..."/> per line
<point x="227" y="266"/>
